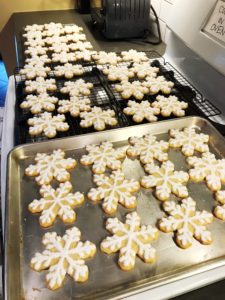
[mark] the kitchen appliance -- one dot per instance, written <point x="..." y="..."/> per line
<point x="83" y="6"/>
<point x="119" y="19"/>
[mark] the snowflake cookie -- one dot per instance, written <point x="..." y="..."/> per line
<point x="36" y="42"/>
<point x="115" y="73"/>
<point x="40" y="85"/>
<point x="155" y="85"/>
<point x="34" y="27"/>
<point x="141" y="111"/>
<point x="59" y="47"/>
<point x="68" y="29"/>
<point x="129" y="89"/>
<point x="207" y="168"/>
<point x="37" y="50"/>
<point x="53" y="40"/>
<point x="147" y="148"/>
<point x="98" y="118"/>
<point x="85" y="55"/>
<point x="63" y="255"/>
<point x="38" y="60"/>
<point x="134" y="56"/>
<point x="144" y="69"/>
<point x="31" y="72"/>
<point x="189" y="140"/>
<point x="165" y="180"/>
<point x="68" y="71"/>
<point x="80" y="46"/>
<point x="76" y="88"/>
<point x="130" y="239"/>
<point x="38" y="103"/>
<point x="51" y="166"/>
<point x="102" y="156"/>
<point x="104" y="58"/>
<point x="75" y="38"/>
<point x="170" y="105"/>
<point x="219" y="211"/>
<point x="47" y="124"/>
<point x="75" y="105"/>
<point x="59" y="202"/>
<point x="186" y="222"/>
<point x="63" y="57"/>
<point x="114" y="189"/>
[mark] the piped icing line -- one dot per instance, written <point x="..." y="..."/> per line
<point x="63" y="255"/>
<point x="114" y="189"/>
<point x="186" y="222"/>
<point x="130" y="239"/>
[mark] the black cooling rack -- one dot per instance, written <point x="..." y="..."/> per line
<point x="100" y="97"/>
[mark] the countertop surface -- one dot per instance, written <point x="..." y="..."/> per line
<point x="11" y="35"/>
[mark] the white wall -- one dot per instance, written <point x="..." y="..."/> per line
<point x="162" y="8"/>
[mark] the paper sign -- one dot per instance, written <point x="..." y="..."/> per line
<point x="216" y="23"/>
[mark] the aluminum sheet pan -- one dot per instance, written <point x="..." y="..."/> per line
<point x="106" y="279"/>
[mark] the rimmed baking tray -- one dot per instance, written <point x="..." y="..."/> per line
<point x="106" y="279"/>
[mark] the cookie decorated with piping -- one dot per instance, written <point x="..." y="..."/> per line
<point x="60" y="202"/>
<point x="51" y="166"/>
<point x="186" y="223"/>
<point x="63" y="255"/>
<point x="134" y="56"/>
<point x="112" y="190"/>
<point x="47" y="124"/>
<point x="74" y="106"/>
<point x="131" y="89"/>
<point x="147" y="148"/>
<point x="189" y="140"/>
<point x="40" y="85"/>
<point x="131" y="239"/>
<point x="141" y="111"/>
<point x="158" y="84"/>
<point x="68" y="71"/>
<point x="166" y="180"/>
<point x="170" y="106"/>
<point x="39" y="103"/>
<point x="103" y="156"/>
<point x="98" y="118"/>
<point x="76" y="88"/>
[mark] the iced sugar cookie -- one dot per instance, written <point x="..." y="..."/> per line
<point x="170" y="106"/>
<point x="63" y="255"/>
<point x="129" y="89"/>
<point x="102" y="156"/>
<point x="114" y="189"/>
<point x="60" y="202"/>
<point x="130" y="239"/>
<point x="74" y="106"/>
<point x="38" y="103"/>
<point x="51" y="166"/>
<point x="207" y="168"/>
<point x="166" y="180"/>
<point x="147" y="148"/>
<point x="189" y="140"/>
<point x="186" y="222"/>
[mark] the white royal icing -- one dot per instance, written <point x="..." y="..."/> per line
<point x="130" y="239"/>
<point x="47" y="124"/>
<point x="141" y="111"/>
<point x="113" y="190"/>
<point x="80" y="46"/>
<point x="187" y="222"/>
<point x="207" y="168"/>
<point x="147" y="148"/>
<point x="98" y="118"/>
<point x="63" y="255"/>
<point x="102" y="156"/>
<point x="189" y="140"/>
<point x="59" y="202"/>
<point x="170" y="105"/>
<point x="63" y="57"/>
<point x="68" y="70"/>
<point x="129" y="89"/>
<point x="118" y="73"/>
<point x="37" y="104"/>
<point x="33" y="71"/>
<point x="51" y="166"/>
<point x="166" y="180"/>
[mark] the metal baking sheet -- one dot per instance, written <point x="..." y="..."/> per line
<point x="106" y="279"/>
